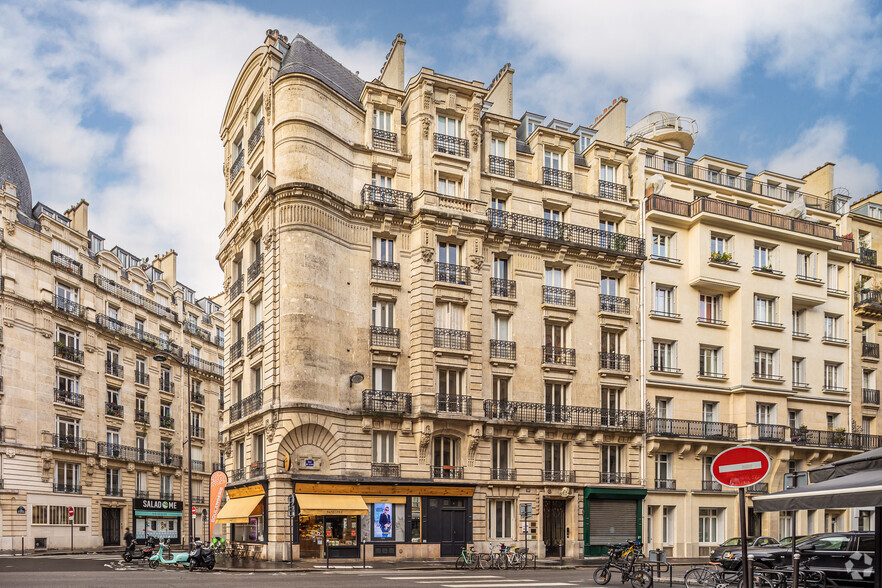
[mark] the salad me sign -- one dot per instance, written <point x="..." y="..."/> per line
<point x="170" y="505"/>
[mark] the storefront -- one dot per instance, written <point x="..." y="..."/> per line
<point x="245" y="511"/>
<point x="612" y="515"/>
<point x="157" y="518"/>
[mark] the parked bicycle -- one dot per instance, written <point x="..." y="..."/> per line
<point x="712" y="577"/>
<point x="622" y="558"/>
<point x="470" y="559"/>
<point x="508" y="558"/>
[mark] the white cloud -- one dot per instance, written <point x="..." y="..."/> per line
<point x="166" y="71"/>
<point x="827" y="141"/>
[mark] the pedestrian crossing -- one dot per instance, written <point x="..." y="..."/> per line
<point x="450" y="580"/>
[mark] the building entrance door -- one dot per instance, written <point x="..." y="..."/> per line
<point x="110" y="526"/>
<point x="453" y="531"/>
<point x="554" y="527"/>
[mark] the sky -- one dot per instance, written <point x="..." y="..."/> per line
<point x="120" y="103"/>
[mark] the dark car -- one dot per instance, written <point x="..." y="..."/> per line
<point x="845" y="558"/>
<point x="734" y="544"/>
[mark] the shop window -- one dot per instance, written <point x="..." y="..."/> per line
<point x="383" y="521"/>
<point x="416" y="519"/>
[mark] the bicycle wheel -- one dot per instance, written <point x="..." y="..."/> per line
<point x="602" y="575"/>
<point x="641" y="579"/>
<point x="522" y="561"/>
<point x="460" y="562"/>
<point x="484" y="561"/>
<point x="759" y="581"/>
<point x="703" y="577"/>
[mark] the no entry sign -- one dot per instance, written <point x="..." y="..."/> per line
<point x="740" y="466"/>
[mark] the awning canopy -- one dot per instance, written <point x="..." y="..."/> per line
<point x="863" y="488"/>
<point x="869" y="460"/>
<point x="158" y="513"/>
<point x="237" y="510"/>
<point x="331" y="504"/>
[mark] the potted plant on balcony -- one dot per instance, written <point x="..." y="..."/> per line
<point x="799" y="434"/>
<point x="721" y="256"/>
<point x="59" y="348"/>
<point x="839" y="436"/>
<point x="766" y="268"/>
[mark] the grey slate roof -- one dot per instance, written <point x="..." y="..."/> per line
<point x="304" y="57"/>
<point x="522" y="146"/>
<point x="13" y="170"/>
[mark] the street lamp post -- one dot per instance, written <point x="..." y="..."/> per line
<point x="161" y="357"/>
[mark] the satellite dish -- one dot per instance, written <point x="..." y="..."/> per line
<point x="655" y="185"/>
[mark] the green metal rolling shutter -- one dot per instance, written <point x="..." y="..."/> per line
<point x="612" y="521"/>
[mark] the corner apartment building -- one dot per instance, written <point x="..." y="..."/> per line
<point x="432" y="316"/>
<point x="89" y="419"/>
<point x="747" y="318"/>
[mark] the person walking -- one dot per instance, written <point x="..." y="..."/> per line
<point x="128" y="538"/>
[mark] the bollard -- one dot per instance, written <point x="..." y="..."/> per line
<point x="795" y="568"/>
<point x="22" y="546"/>
<point x="748" y="572"/>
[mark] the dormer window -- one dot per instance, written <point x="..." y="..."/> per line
<point x="553" y="160"/>
<point x="452" y="127"/>
<point x="383" y="120"/>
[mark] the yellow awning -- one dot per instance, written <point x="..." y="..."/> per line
<point x="237" y="510"/>
<point x="331" y="504"/>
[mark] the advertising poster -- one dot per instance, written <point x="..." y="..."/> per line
<point x="216" y="494"/>
<point x="382" y="520"/>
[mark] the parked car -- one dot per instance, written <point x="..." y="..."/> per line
<point x="734" y="544"/>
<point x="786" y="541"/>
<point x="845" y="558"/>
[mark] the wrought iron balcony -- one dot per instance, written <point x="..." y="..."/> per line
<point x="236" y="350"/>
<point x="664" y="313"/>
<point x="616" y="304"/>
<point x="142" y="494"/>
<point x="217" y="466"/>
<point x="665" y="368"/>
<point x="197" y="397"/>
<point x="68" y="398"/>
<point x="255" y="336"/>
<point x="453" y="339"/>
<point x="166" y="385"/>
<point x="616" y="478"/>
<point x="768" y="432"/>
<point x="504" y="474"/>
<point x="557" y="178"/>
<point x="692" y="429"/>
<point x="615" y="362"/>
<point x="582" y="416"/>
<point x="237" y="166"/>
<point x="452" y="273"/>
<point x="137" y="299"/>
<point x="870" y="350"/>
<point x="137" y="334"/>
<point x="452" y="145"/>
<point x="236" y="287"/>
<point x="576" y="235"/>
<point x="69" y="443"/>
<point x="385" y="337"/>
<point x="197" y="431"/>
<point x="503" y="350"/>
<point x="612" y="191"/>
<point x="385" y="470"/>
<point x="257" y="469"/>
<point x="502" y="166"/>
<point x="665" y="484"/>
<point x="246" y="406"/>
<point x="142" y="378"/>
<point x="386" y="199"/>
<point x="256" y="136"/>
<point x="870" y="396"/>
<point x="142" y="416"/>
<point x="112" y="491"/>
<point x="869" y="302"/>
<point x="503" y="288"/>
<point x="566" y="476"/>
<point x="707" y="320"/>
<point x="385" y="401"/>
<point x="113" y="409"/>
<point x="767" y="375"/>
<point x="385" y="140"/>
<point x="207" y="367"/>
<point x="166" y="495"/>
<point x="447" y="472"/>
<point x="64" y="488"/>
<point x="64" y="262"/>
<point x="559" y="355"/>
<point x="68" y="352"/>
<point x="237" y="474"/>
<point x="193" y="328"/>
<point x="807" y="278"/>
<point x="113" y="369"/>
<point x="453" y="403"/>
<point x="166" y="422"/>
<point x="558" y="296"/>
<point x="833" y="439"/>
<point x="69" y="306"/>
<point x="387" y="271"/>
<point x="868" y="256"/>
<point x="255" y="269"/>
<point x="711" y="486"/>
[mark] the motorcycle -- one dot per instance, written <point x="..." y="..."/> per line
<point x="145" y="552"/>
<point x="182" y="559"/>
<point x="201" y="557"/>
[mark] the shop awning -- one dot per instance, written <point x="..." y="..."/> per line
<point x="237" y="510"/>
<point x="158" y="513"/>
<point x="331" y="504"/>
<point x="863" y="488"/>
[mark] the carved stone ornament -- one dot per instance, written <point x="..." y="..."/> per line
<point x="476" y="138"/>
<point x="564" y="492"/>
<point x="268" y="239"/>
<point x="267" y="99"/>
<point x="427" y="125"/>
<point x="428" y="254"/>
<point x="130" y="467"/>
<point x="477" y="262"/>
<point x="477" y="106"/>
<point x="10" y="452"/>
<point x="428" y="97"/>
<point x="226" y="170"/>
<point x="9" y="227"/>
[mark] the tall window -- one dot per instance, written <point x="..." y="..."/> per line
<point x="384" y="249"/>
<point x="67" y="338"/>
<point x="445" y="456"/>
<point x="382" y="120"/>
<point x="449" y="315"/>
<point x="554" y="277"/>
<point x="833" y="376"/>
<point x="165" y="485"/>
<point x="763" y="258"/>
<point x="555" y="335"/>
<point x="383" y="378"/>
<point x="667" y="525"/>
<point x="610" y="463"/>
<point x="449" y="389"/>
<point x="140" y="484"/>
<point x="805" y="264"/>
<point x="664" y="355"/>
<point x="764" y="362"/>
<point x="710" y="525"/>
<point x="663" y="245"/>
<point x="832" y="276"/>
<point x="384" y="447"/>
<point x="501" y="516"/>
<point x="497" y="147"/>
<point x="500" y="389"/>
<point x="501" y="457"/>
<point x="710" y="361"/>
<point x="719" y="245"/>
<point x="663" y="471"/>
<point x="449" y="187"/>
<point x="609" y="285"/>
<point x="112" y="483"/>
<point x="67" y="428"/>
<point x="554" y="457"/>
<point x="765" y="309"/>
<point x="710" y="308"/>
<point x="799" y="321"/>
<point x="799" y="372"/>
<point x="794" y="418"/>
<point x="552" y="160"/>
<point x="500" y="268"/>
<point x="500" y="327"/>
<point x="449" y="126"/>
<point x="710" y="411"/>
<point x="555" y="401"/>
<point x="663" y="408"/>
<point x="67" y="477"/>
<point x="663" y="300"/>
<point x="382" y="313"/>
<point x="832" y="326"/>
<point x="449" y="253"/>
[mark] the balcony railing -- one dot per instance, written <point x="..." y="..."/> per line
<point x="616" y="304"/>
<point x="142" y="494"/>
<point x="197" y="431"/>
<point x="166" y="385"/>
<point x="256" y="136"/>
<point x="385" y="140"/>
<point x="665" y="484"/>
<point x="447" y="472"/>
<point x="566" y="476"/>
<point x="385" y="401"/>
<point x="833" y="439"/>
<point x="615" y="362"/>
<point x="237" y="475"/>
<point x="577" y="235"/>
<point x="612" y="191"/>
<point x="236" y="350"/>
<point x="387" y="271"/>
<point x="664" y="368"/>
<point x="870" y="350"/>
<point x="69" y="443"/>
<point x="452" y="273"/>
<point x="207" y="367"/>
<point x="559" y="355"/>
<point x="65" y="262"/>
<point x="142" y="416"/>
<point x="453" y="403"/>
<point x="137" y="334"/>
<point x="246" y="406"/>
<point x="142" y="378"/>
<point x="453" y="339"/>
<point x="503" y="350"/>
<point x="768" y="432"/>
<point x="767" y="375"/>
<point x="166" y="495"/>
<point x="255" y="269"/>
<point x="739" y="212"/>
<point x="113" y="369"/>
<point x="237" y="166"/>
<point x="69" y="306"/>
<point x="557" y="178"/>
<point x="386" y="199"/>
<point x="197" y="398"/>
<point x="692" y="429"/>
<point x="68" y="352"/>
<point x="385" y="470"/>
<point x="236" y="287"/>
<point x="193" y="328"/>
<point x="711" y="486"/>
<point x="503" y="288"/>
<point x="385" y="337"/>
<point x="870" y="396"/>
<point x="502" y="166"/>
<point x="504" y="474"/>
<point x="582" y="416"/>
<point x="166" y="422"/>
<point x="112" y="491"/>
<point x="69" y="398"/>
<point x="64" y="488"/>
<point x="868" y="256"/>
<point x="616" y="478"/>
<point x="255" y="336"/>
<point x="113" y="409"/>
<point x="137" y="299"/>
<point x="558" y="296"/>
<point x="452" y="145"/>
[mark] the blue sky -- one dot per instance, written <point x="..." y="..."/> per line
<point x="120" y="102"/>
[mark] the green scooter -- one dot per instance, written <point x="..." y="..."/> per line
<point x="182" y="558"/>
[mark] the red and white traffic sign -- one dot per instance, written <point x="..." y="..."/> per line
<point x="70" y="513"/>
<point x="193" y="511"/>
<point x="741" y="466"/>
